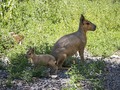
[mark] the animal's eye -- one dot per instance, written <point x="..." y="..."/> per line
<point x="87" y="23"/>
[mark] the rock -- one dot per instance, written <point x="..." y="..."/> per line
<point x="53" y="76"/>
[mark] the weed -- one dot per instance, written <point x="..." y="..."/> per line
<point x="91" y="73"/>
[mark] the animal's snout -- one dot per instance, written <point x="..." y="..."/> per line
<point x="94" y="28"/>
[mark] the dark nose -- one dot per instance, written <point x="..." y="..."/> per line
<point x="94" y="28"/>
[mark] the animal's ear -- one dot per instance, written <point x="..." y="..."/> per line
<point x="82" y="18"/>
<point x="30" y="48"/>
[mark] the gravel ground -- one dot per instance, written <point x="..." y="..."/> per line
<point x="38" y="83"/>
<point x="112" y="77"/>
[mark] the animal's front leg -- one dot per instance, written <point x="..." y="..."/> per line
<point x="61" y="60"/>
<point x="81" y="52"/>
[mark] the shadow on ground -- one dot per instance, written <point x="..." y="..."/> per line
<point x="94" y="73"/>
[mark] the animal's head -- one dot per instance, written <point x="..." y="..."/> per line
<point x="86" y="25"/>
<point x="30" y="53"/>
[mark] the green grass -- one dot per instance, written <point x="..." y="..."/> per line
<point x="43" y="22"/>
<point x="92" y="73"/>
<point x="46" y="22"/>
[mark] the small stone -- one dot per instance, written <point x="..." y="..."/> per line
<point x="27" y="88"/>
<point x="54" y="76"/>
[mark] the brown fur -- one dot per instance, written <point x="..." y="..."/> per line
<point x="69" y="44"/>
<point x="44" y="59"/>
<point x="17" y="38"/>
